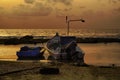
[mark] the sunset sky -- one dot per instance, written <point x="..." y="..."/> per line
<point x="51" y="13"/>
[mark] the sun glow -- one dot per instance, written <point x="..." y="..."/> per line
<point x="10" y="3"/>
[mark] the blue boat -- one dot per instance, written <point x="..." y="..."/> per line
<point x="30" y="53"/>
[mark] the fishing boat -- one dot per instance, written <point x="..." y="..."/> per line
<point x="64" y="48"/>
<point x="30" y="53"/>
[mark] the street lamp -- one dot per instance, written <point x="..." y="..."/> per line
<point x="68" y="23"/>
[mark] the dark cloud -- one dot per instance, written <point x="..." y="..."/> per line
<point x="111" y="1"/>
<point x="29" y="1"/>
<point x="67" y="9"/>
<point x="66" y="2"/>
<point x="117" y="9"/>
<point x="1" y="8"/>
<point x="2" y="11"/>
<point x="63" y="12"/>
<point x="114" y="1"/>
<point x="82" y="7"/>
<point x="116" y="13"/>
<point x="38" y="9"/>
<point x="42" y="9"/>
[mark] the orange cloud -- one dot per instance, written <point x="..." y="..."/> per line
<point x="37" y="9"/>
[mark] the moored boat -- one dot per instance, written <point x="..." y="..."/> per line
<point x="30" y="53"/>
<point x="64" y="48"/>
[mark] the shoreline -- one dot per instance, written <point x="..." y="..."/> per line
<point x="30" y="71"/>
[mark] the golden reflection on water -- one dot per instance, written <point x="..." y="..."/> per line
<point x="8" y="51"/>
<point x="94" y="53"/>
<point x="102" y="53"/>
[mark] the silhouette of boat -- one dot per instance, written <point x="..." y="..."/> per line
<point x="64" y="48"/>
<point x="30" y="53"/>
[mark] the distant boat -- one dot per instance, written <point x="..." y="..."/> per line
<point x="30" y="53"/>
<point x="64" y="48"/>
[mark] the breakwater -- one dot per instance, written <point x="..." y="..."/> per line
<point x="42" y="39"/>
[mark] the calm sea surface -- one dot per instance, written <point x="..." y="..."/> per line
<point x="94" y="53"/>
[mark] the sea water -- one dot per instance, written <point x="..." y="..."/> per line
<point x="94" y="53"/>
<point x="99" y="53"/>
<point x="51" y="32"/>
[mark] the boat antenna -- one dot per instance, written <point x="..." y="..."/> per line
<point x="73" y="20"/>
<point x="57" y="34"/>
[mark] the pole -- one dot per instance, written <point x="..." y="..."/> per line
<point x="68" y="28"/>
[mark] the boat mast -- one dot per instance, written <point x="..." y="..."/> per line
<point x="68" y="23"/>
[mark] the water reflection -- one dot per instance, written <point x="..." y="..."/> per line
<point x="102" y="53"/>
<point x="94" y="53"/>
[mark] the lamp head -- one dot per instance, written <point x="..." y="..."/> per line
<point x="82" y="20"/>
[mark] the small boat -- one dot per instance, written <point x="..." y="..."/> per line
<point x="30" y="53"/>
<point x="64" y="48"/>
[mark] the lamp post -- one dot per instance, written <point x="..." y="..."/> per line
<point x="68" y="23"/>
